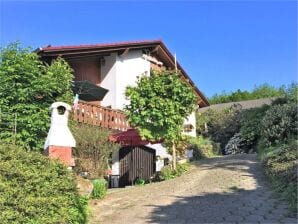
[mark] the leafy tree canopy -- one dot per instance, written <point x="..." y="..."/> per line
<point x="27" y="88"/>
<point x="262" y="91"/>
<point x="159" y="104"/>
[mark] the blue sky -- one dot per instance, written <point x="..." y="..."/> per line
<point x="223" y="45"/>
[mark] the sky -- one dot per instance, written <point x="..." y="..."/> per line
<point x="222" y="45"/>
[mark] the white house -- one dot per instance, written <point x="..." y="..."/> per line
<point x="114" y="66"/>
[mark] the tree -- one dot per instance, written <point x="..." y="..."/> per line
<point x="159" y="104"/>
<point x="27" y="88"/>
<point x="259" y="92"/>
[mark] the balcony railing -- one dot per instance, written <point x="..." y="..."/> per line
<point x="100" y="116"/>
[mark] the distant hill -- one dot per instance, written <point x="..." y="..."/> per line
<point x="246" y="104"/>
<point x="259" y="92"/>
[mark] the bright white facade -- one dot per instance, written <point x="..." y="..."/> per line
<point x="118" y="72"/>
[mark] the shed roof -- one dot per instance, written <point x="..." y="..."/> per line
<point x="154" y="46"/>
<point x="246" y="104"/>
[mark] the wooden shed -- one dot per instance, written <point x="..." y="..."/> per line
<point x="136" y="162"/>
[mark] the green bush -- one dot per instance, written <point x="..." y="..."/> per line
<point x="280" y="164"/>
<point x="181" y="168"/>
<point x="259" y="92"/>
<point x="99" y="188"/>
<point x="250" y="128"/>
<point x="140" y="181"/>
<point x="203" y="147"/>
<point x="93" y="151"/>
<point x="279" y="123"/>
<point x="168" y="173"/>
<point x="235" y="145"/>
<point x="28" y="88"/>
<point x="34" y="189"/>
<point x="222" y="125"/>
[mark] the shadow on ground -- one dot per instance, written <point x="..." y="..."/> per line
<point x="233" y="205"/>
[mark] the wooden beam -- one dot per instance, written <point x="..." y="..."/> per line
<point x="79" y="57"/>
<point x="155" y="49"/>
<point x="123" y="53"/>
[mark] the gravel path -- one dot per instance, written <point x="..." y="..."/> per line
<point x="228" y="189"/>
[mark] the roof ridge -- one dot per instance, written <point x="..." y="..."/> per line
<point x="107" y="44"/>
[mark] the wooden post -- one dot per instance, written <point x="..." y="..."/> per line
<point x="174" y="155"/>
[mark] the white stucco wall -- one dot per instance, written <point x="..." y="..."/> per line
<point x="120" y="71"/>
<point x="115" y="163"/>
<point x="108" y="80"/>
<point x="191" y="120"/>
<point x="162" y="153"/>
<point x="129" y="67"/>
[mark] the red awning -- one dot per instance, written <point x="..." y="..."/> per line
<point x="129" y="137"/>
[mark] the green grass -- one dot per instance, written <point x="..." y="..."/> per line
<point x="280" y="165"/>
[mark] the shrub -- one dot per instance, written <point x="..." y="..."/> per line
<point x="203" y="147"/>
<point x="259" y="92"/>
<point x="221" y="125"/>
<point x="140" y="181"/>
<point x="181" y="168"/>
<point x="99" y="188"/>
<point x="280" y="164"/>
<point x="93" y="151"/>
<point x="279" y="123"/>
<point x="235" y="145"/>
<point x="250" y="126"/>
<point x="168" y="173"/>
<point x="34" y="189"/>
<point x="28" y="87"/>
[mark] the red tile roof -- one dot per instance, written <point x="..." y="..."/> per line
<point x="76" y="49"/>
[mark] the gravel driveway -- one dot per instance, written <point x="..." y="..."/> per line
<point x="229" y="189"/>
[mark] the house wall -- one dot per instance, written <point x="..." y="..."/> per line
<point x="129" y="67"/>
<point x="118" y="72"/>
<point x="115" y="163"/>
<point x="191" y="120"/>
<point x="108" y="79"/>
<point x="86" y="69"/>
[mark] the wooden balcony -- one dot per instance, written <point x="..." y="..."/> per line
<point x="100" y="116"/>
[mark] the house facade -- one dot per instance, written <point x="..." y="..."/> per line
<point x="117" y="65"/>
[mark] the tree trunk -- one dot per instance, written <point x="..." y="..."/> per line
<point x="174" y="156"/>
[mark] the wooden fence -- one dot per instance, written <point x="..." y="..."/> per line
<point x="100" y="116"/>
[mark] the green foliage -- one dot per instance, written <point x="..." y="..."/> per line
<point x="99" y="188"/>
<point x="280" y="164"/>
<point x="93" y="151"/>
<point x="159" y="105"/>
<point x="222" y="125"/>
<point x="34" y="189"/>
<point x="27" y="88"/>
<point x="140" y="181"/>
<point x="203" y="147"/>
<point x="250" y="128"/>
<point x="279" y="123"/>
<point x="181" y="168"/>
<point x="168" y="173"/>
<point x="235" y="145"/>
<point x="259" y="92"/>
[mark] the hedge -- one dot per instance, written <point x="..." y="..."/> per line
<point x="34" y="189"/>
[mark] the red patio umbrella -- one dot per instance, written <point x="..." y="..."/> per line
<point x="130" y="137"/>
